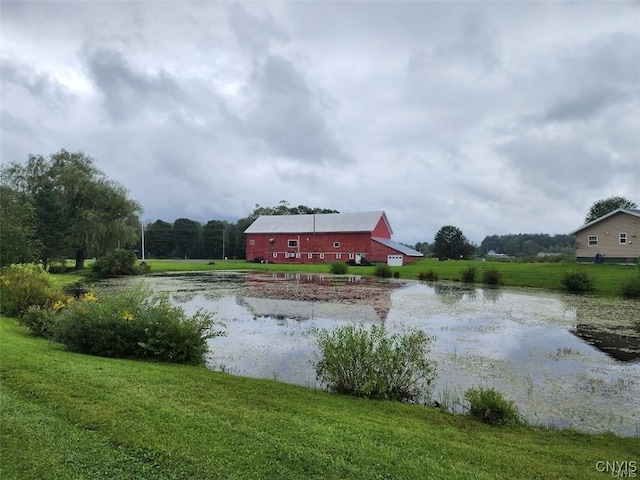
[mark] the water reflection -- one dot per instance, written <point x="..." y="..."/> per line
<point x="557" y="356"/>
<point x="621" y="346"/>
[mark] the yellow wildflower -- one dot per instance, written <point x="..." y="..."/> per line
<point x="89" y="297"/>
<point x="127" y="316"/>
<point x="58" y="305"/>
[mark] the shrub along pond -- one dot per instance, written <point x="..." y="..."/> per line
<point x="566" y="361"/>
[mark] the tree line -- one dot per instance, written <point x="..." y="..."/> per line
<point x="63" y="207"/>
<point x="186" y="238"/>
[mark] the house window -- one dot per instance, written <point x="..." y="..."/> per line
<point x="592" y="240"/>
<point x="338" y="256"/>
<point x="322" y="255"/>
<point x="252" y="242"/>
<point x="622" y="237"/>
<point x="336" y="244"/>
<point x="275" y="254"/>
<point x="293" y="243"/>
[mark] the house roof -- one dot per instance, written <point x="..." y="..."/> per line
<point x="319" y="223"/>
<point x="398" y="246"/>
<point x="635" y="213"/>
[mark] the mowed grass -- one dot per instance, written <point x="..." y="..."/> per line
<point x="71" y="416"/>
<point x="607" y="278"/>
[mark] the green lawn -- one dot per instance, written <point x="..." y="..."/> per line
<point x="71" y="416"/>
<point x="607" y="278"/>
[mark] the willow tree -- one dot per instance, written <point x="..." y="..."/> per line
<point x="79" y="211"/>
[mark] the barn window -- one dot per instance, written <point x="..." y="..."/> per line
<point x="336" y="244"/>
<point x="293" y="243"/>
<point x="252" y="242"/>
<point x="352" y="256"/>
<point x="309" y="255"/>
<point x="322" y="255"/>
<point x="622" y="237"/>
<point x="593" y="240"/>
<point x="298" y="255"/>
<point x="338" y="255"/>
<point x="275" y="254"/>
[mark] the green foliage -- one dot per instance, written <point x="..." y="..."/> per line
<point x="40" y="321"/>
<point x="372" y="364"/>
<point x="382" y="270"/>
<point x="491" y="276"/>
<point x="631" y="287"/>
<point x="577" y="281"/>
<point x="449" y="242"/>
<point x="469" y="274"/>
<point x="78" y="210"/>
<point x="338" y="268"/>
<point x="608" y="205"/>
<point x="428" y="276"/>
<point x="23" y="286"/>
<point x="117" y="262"/>
<point x="488" y="405"/>
<point x="135" y="323"/>
<point x="18" y="227"/>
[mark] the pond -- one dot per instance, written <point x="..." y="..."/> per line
<point x="566" y="361"/>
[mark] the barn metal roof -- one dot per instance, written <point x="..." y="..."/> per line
<point x="319" y="223"/>
<point x="410" y="252"/>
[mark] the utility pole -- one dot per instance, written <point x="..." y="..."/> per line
<point x="142" y="229"/>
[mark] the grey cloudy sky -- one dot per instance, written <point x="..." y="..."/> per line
<point x="496" y="117"/>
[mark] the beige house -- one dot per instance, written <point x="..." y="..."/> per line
<point x="612" y="238"/>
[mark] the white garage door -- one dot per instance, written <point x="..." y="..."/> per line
<point x="394" y="260"/>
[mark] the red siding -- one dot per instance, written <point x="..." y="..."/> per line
<point x="381" y="230"/>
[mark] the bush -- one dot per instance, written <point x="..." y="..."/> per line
<point x="488" y="405"/>
<point x="382" y="270"/>
<point x="134" y="323"/>
<point x="118" y="262"/>
<point x="40" y="321"/>
<point x="577" y="281"/>
<point x="428" y="276"/>
<point x="143" y="268"/>
<point x="338" y="268"/>
<point x="372" y="364"/>
<point x="631" y="287"/>
<point x="396" y="274"/>
<point x="491" y="276"/>
<point x="469" y="274"/>
<point x="23" y="286"/>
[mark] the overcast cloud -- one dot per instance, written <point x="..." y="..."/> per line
<point x="495" y="117"/>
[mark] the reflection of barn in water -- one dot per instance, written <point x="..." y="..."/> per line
<point x="351" y="297"/>
<point x="623" y="347"/>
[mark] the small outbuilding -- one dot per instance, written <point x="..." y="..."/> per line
<point x="612" y="238"/>
<point x="328" y="237"/>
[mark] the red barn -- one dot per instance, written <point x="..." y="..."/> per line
<point x="326" y="237"/>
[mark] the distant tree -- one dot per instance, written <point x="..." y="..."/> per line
<point x="159" y="239"/>
<point x="449" y="242"/>
<point x="215" y="239"/>
<point x="608" y="205"/>
<point x="79" y="211"/>
<point x="18" y="242"/>
<point x="424" y="248"/>
<point x="187" y="234"/>
<point x="283" y="208"/>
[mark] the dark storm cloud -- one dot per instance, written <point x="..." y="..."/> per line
<point x="288" y="114"/>
<point x="40" y="86"/>
<point x="127" y="93"/>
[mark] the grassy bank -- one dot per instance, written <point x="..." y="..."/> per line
<point x="69" y="416"/>
<point x="607" y="278"/>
